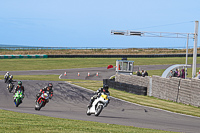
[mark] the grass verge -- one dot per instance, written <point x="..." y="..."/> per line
<point x="22" y="122"/>
<point x="68" y="63"/>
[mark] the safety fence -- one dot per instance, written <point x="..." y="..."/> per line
<point x="93" y="56"/>
<point x="120" y="56"/>
<point x="186" y="91"/>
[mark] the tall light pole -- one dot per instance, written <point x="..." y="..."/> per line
<point x="195" y="49"/>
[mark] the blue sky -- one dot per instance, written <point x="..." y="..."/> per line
<point x="87" y="23"/>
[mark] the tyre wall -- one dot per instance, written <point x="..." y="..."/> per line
<point x="135" y="89"/>
<point x="22" y="56"/>
<point x="134" y="80"/>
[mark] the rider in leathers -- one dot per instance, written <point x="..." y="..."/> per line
<point x="98" y="93"/>
<point x="19" y="87"/>
<point x="6" y="77"/>
<point x="10" y="80"/>
<point x="46" y="88"/>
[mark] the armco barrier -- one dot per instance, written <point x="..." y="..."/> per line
<point x="22" y="56"/>
<point x="94" y="56"/>
<point x="120" y="56"/>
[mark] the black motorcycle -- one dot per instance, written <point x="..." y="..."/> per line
<point x="10" y="87"/>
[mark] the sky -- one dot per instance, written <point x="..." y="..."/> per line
<point x="88" y="23"/>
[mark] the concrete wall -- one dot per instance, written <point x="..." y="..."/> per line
<point x="165" y="88"/>
<point x="189" y="92"/>
<point x="186" y="91"/>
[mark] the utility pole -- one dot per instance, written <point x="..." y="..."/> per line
<point x="194" y="65"/>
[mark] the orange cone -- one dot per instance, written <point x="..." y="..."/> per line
<point x="88" y="74"/>
<point x="78" y="74"/>
<point x="97" y="74"/>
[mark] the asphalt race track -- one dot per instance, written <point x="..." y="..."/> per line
<point x="103" y="72"/>
<point x="71" y="101"/>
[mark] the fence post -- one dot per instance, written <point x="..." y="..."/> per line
<point x="150" y="86"/>
<point x="179" y="87"/>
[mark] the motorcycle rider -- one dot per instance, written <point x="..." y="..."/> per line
<point x="10" y="80"/>
<point x="19" y="87"/>
<point x="6" y="76"/>
<point x="98" y="93"/>
<point x="49" y="89"/>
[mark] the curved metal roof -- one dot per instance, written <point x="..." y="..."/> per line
<point x="166" y="73"/>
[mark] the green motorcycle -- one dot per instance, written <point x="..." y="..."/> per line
<point x="18" y="98"/>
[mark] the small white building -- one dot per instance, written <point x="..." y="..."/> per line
<point x="124" y="67"/>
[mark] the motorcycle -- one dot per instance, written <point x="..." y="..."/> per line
<point x="42" y="100"/>
<point x="98" y="105"/>
<point x="18" y="98"/>
<point x="6" y="78"/>
<point x="10" y="87"/>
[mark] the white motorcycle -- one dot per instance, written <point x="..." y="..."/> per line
<point x="98" y="105"/>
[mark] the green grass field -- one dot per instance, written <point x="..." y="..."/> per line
<point x="68" y="63"/>
<point x="16" y="122"/>
<point x="13" y="122"/>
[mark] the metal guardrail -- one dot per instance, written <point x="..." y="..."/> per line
<point x="93" y="56"/>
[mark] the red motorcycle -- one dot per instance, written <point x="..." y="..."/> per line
<point x="42" y="100"/>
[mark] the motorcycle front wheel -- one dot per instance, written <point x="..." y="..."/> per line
<point x="88" y="112"/>
<point x="40" y="105"/>
<point x="17" y="102"/>
<point x="9" y="89"/>
<point x="98" y="110"/>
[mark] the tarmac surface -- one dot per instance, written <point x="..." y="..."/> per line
<point x="70" y="101"/>
<point x="103" y="72"/>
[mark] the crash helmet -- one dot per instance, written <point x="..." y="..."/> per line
<point x="7" y="73"/>
<point x="20" y="83"/>
<point x="50" y="85"/>
<point x="105" y="87"/>
<point x="11" y="77"/>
